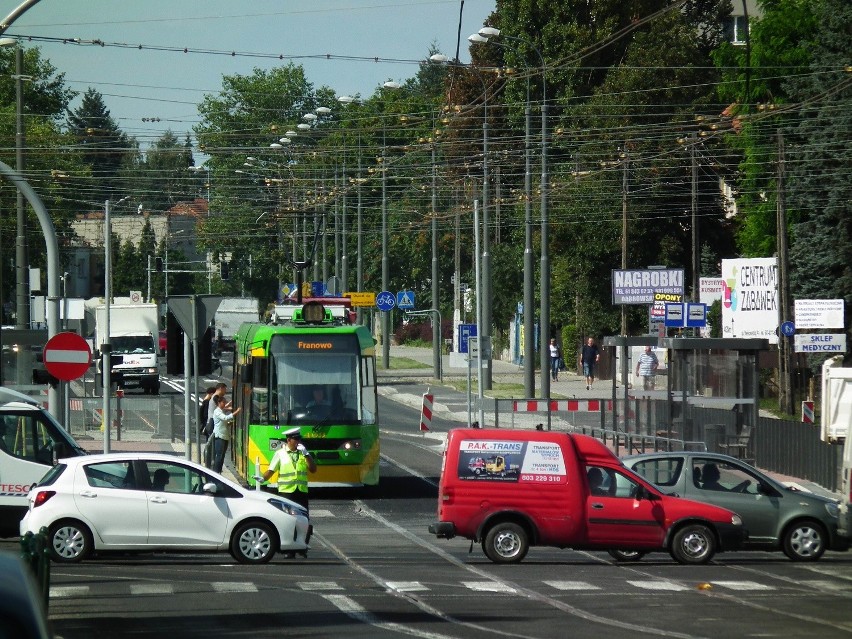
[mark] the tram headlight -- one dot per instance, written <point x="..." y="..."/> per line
<point x="350" y="444"/>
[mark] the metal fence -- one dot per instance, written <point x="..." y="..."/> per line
<point x="145" y="417"/>
<point x="642" y="425"/>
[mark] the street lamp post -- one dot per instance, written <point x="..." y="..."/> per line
<point x="106" y="344"/>
<point x="544" y="333"/>
<point x="484" y="329"/>
<point x="385" y="262"/>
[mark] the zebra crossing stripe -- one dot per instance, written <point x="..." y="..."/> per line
<point x="233" y="586"/>
<point x="488" y="586"/>
<point x="571" y="585"/>
<point x="657" y="584"/>
<point x="68" y="591"/>
<point x="318" y="585"/>
<point x="742" y="585"/>
<point x="152" y="589"/>
<point x="406" y="586"/>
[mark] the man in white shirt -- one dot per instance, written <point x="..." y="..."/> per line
<point x="646" y="367"/>
<point x="222" y="418"/>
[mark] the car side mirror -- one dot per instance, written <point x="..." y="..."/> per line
<point x="210" y="488"/>
<point x="644" y="493"/>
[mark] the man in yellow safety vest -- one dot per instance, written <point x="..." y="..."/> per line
<point x="293" y="462"/>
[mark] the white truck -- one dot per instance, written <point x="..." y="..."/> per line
<point x="835" y="422"/>
<point x="134" y="338"/>
<point x="836" y="414"/>
<point x="232" y="312"/>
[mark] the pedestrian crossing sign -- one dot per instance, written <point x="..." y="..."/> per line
<point x="405" y="299"/>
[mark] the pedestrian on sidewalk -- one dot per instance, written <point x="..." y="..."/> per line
<point x="646" y="367"/>
<point x="589" y="358"/>
<point x="555" y="360"/>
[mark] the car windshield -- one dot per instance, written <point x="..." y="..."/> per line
<point x="131" y="344"/>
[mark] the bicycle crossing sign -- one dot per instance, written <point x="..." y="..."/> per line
<point x="405" y="299"/>
<point x="385" y="301"/>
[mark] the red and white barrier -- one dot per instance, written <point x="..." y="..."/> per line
<point x="569" y="405"/>
<point x="808" y="412"/>
<point x="426" y="412"/>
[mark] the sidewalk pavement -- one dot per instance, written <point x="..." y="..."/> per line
<point x="569" y="385"/>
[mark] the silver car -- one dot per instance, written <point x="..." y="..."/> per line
<point x="776" y="517"/>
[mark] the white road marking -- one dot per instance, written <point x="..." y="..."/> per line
<point x="657" y="584"/>
<point x="406" y="586"/>
<point x="319" y="585"/>
<point x="571" y="585"/>
<point x="489" y="586"/>
<point x="233" y="586"/>
<point x="742" y="585"/>
<point x="152" y="589"/>
<point x="68" y="591"/>
<point x="359" y="613"/>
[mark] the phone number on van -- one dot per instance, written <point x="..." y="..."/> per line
<point x="549" y="479"/>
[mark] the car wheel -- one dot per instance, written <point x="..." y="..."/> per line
<point x="70" y="541"/>
<point x="506" y="543"/>
<point x="626" y="555"/>
<point x="804" y="541"/>
<point x="693" y="544"/>
<point x="253" y="543"/>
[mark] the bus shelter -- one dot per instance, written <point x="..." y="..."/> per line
<point x="710" y="395"/>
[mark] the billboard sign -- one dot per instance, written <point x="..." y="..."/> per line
<point x="709" y="290"/>
<point x="639" y="286"/>
<point x="820" y="343"/>
<point x="750" y="300"/>
<point x="819" y="313"/>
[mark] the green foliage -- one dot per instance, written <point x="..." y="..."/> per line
<point x="104" y="147"/>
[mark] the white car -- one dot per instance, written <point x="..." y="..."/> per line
<point x="150" y="501"/>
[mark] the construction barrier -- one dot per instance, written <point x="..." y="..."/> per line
<point x="426" y="412"/>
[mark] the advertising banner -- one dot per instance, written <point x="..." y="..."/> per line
<point x="639" y="286"/>
<point x="512" y="461"/>
<point x="709" y="290"/>
<point x="750" y="299"/>
<point x="819" y="313"/>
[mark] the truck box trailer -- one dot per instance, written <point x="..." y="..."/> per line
<point x="134" y="342"/>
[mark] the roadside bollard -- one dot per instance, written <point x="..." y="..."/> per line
<point x="35" y="553"/>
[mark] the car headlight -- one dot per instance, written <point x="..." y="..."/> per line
<point x="736" y="520"/>
<point x="833" y="509"/>
<point x="290" y="509"/>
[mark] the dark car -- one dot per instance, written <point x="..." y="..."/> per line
<point x="777" y="517"/>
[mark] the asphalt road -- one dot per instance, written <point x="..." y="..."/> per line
<point x="375" y="571"/>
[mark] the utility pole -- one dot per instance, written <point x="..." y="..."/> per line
<point x="785" y="391"/>
<point x="625" y="162"/>
<point x="22" y="295"/>
<point x="695" y="273"/>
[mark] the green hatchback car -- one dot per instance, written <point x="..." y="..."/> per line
<point x="776" y="517"/>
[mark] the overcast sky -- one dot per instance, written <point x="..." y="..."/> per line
<point x="140" y="85"/>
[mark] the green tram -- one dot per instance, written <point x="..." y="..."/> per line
<point x="314" y="369"/>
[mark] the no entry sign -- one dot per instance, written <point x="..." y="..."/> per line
<point x="67" y="356"/>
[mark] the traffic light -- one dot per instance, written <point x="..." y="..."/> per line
<point x="159" y="262"/>
<point x="223" y="270"/>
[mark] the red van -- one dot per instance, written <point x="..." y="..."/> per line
<point x="567" y="491"/>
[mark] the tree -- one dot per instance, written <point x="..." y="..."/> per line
<point x="105" y="148"/>
<point x="819" y="156"/>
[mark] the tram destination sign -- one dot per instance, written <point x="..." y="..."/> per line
<point x="638" y="286"/>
